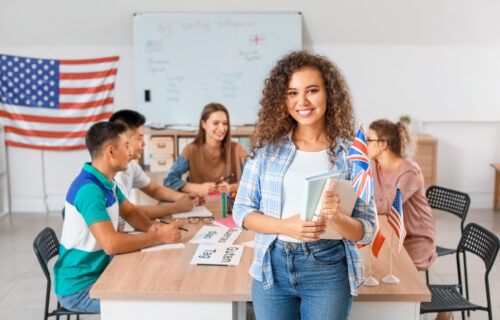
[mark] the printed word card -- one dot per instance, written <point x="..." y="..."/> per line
<point x="218" y="255"/>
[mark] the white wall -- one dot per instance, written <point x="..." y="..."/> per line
<point x="438" y="61"/>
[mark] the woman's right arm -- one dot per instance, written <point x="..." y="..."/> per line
<point x="174" y="177"/>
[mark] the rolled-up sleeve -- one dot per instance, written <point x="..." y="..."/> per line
<point x="249" y="191"/>
<point x="367" y="215"/>
<point x="174" y="177"/>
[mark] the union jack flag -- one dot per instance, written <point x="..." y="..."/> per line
<point x="50" y="104"/>
<point x="358" y="155"/>
<point x="395" y="218"/>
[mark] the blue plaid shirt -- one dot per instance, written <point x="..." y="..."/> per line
<point x="261" y="191"/>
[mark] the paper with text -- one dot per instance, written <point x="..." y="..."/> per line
<point x="218" y="255"/>
<point x="215" y="235"/>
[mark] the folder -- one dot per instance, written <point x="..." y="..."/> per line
<point x="315" y="186"/>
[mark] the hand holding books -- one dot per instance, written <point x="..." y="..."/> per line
<point x="299" y="229"/>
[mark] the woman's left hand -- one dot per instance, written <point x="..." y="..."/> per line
<point x="330" y="208"/>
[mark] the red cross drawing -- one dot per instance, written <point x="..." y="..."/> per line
<point x="256" y="39"/>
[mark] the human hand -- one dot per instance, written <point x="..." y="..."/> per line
<point x="223" y="186"/>
<point x="206" y="188"/>
<point x="306" y="231"/>
<point x="185" y="203"/>
<point x="170" y="233"/>
<point x="330" y="207"/>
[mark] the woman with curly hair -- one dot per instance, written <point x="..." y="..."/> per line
<point x="305" y="127"/>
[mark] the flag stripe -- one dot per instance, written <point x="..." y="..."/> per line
<point x="88" y="90"/>
<point x="73" y="98"/>
<point x="45" y="134"/>
<point x="55" y="113"/>
<point x="90" y="61"/>
<point x="43" y="147"/>
<point x="74" y="68"/>
<point x="55" y="120"/>
<point x="86" y="83"/>
<point x="57" y="127"/>
<point x="87" y="75"/>
<point x="85" y="105"/>
<point x="50" y="142"/>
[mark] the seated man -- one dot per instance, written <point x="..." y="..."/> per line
<point x="93" y="203"/>
<point x="134" y="176"/>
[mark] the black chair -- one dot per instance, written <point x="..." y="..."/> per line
<point x="63" y="212"/>
<point x="46" y="246"/>
<point x="454" y="202"/>
<point x="446" y="298"/>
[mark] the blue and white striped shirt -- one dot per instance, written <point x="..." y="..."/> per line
<point x="261" y="191"/>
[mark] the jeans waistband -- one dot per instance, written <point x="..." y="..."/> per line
<point x="305" y="246"/>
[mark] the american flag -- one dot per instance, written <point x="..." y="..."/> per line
<point x="395" y="218"/>
<point x="358" y="155"/>
<point x="50" y="104"/>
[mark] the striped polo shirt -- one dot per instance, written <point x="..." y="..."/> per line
<point x="91" y="198"/>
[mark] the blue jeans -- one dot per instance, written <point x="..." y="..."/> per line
<point x="310" y="283"/>
<point x="80" y="302"/>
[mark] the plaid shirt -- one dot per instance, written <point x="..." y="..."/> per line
<point x="261" y="191"/>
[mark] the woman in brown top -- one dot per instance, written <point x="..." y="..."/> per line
<point x="388" y="146"/>
<point x="214" y="161"/>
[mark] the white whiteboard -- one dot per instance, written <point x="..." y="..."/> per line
<point x="185" y="60"/>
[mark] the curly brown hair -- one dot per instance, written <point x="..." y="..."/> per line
<point x="275" y="122"/>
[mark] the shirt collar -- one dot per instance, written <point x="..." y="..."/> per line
<point x="341" y="144"/>
<point x="96" y="173"/>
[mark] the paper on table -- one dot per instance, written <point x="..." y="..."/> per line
<point x="218" y="255"/>
<point x="166" y="246"/>
<point x="215" y="235"/>
<point x="199" y="211"/>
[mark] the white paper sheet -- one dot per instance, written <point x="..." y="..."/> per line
<point x="166" y="246"/>
<point x="222" y="255"/>
<point x="215" y="235"/>
<point x="199" y="211"/>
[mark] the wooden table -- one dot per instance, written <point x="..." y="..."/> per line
<point x="496" y="191"/>
<point x="164" y="284"/>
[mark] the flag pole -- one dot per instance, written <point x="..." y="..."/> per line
<point x="44" y="185"/>
<point x="391" y="278"/>
<point x="370" y="281"/>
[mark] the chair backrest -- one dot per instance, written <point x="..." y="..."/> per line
<point x="448" y="200"/>
<point x="481" y="242"/>
<point x="46" y="246"/>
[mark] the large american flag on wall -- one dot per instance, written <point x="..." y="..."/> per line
<point x="50" y="104"/>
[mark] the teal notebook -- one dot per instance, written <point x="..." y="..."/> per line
<point x="311" y="204"/>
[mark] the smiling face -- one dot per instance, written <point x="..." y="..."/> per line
<point x="136" y="138"/>
<point x="216" y="126"/>
<point x="306" y="97"/>
<point x="120" y="152"/>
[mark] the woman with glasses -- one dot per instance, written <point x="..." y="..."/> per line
<point x="213" y="160"/>
<point x="389" y="147"/>
<point x="305" y="127"/>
